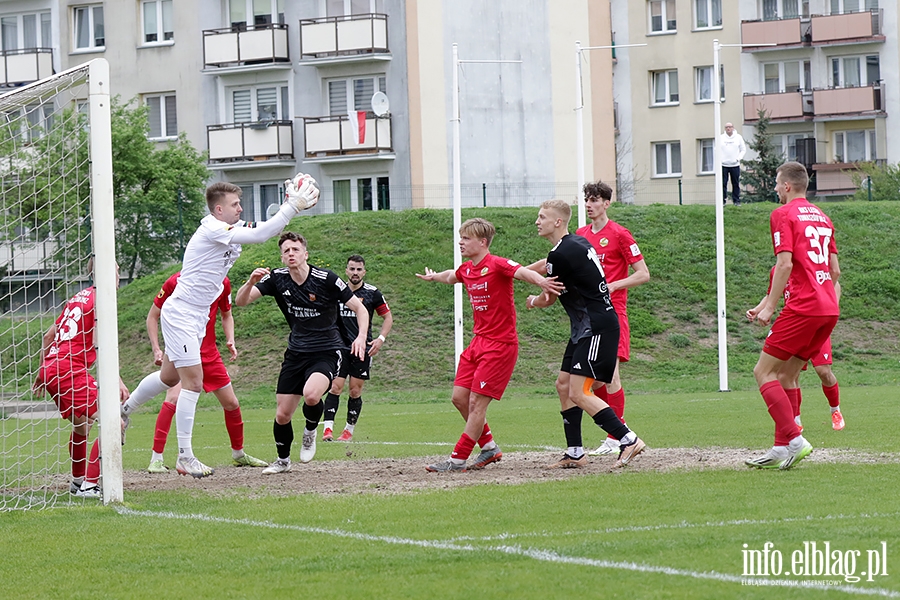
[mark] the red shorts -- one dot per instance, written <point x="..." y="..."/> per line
<point x="823" y="356"/>
<point x="74" y="391"/>
<point x="486" y="366"/>
<point x="624" y="351"/>
<point x="215" y="375"/>
<point x="798" y="335"/>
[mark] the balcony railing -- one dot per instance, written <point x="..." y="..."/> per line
<point x="350" y="36"/>
<point x="861" y="26"/>
<point x="250" y="142"/>
<point x="849" y="100"/>
<point x="18" y="67"/>
<point x="836" y="179"/>
<point x="332" y="136"/>
<point x="785" y="105"/>
<point x="782" y="32"/>
<point x="233" y="46"/>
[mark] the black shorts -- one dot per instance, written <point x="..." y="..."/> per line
<point x="352" y="366"/>
<point x="593" y="357"/>
<point x="297" y="368"/>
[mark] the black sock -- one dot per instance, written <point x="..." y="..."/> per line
<point x="610" y="423"/>
<point x="332" y="402"/>
<point x="354" y="407"/>
<point x="284" y="437"/>
<point x="572" y="426"/>
<point x="313" y="414"/>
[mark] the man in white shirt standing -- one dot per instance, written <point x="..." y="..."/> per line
<point x="732" y="146"/>
<point x="210" y="253"/>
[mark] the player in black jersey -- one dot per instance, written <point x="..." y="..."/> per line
<point x="358" y="370"/>
<point x="594" y="340"/>
<point x="309" y="298"/>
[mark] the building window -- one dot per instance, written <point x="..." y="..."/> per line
<point x="161" y="115"/>
<point x="787" y="145"/>
<point x="666" y="159"/>
<point x="341" y="189"/>
<point x="855" y="146"/>
<point x="704" y="83"/>
<point x="662" y="16"/>
<point x="157" y="21"/>
<point x="89" y="33"/>
<point x="842" y="7"/>
<point x="706" y="159"/>
<point x="260" y="103"/>
<point x="372" y="193"/>
<point x="362" y="89"/>
<point x="26" y="31"/>
<point x="257" y="200"/>
<point x="784" y="9"/>
<point x="855" y="71"/>
<point x="708" y="13"/>
<point x="665" y="87"/>
<point x="786" y="76"/>
<point x="342" y="8"/>
<point x="247" y="14"/>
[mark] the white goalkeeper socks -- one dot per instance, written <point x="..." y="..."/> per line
<point x="150" y="386"/>
<point x="184" y="421"/>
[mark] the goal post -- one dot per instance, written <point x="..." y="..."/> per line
<point x="56" y="212"/>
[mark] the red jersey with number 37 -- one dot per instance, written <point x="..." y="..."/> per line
<point x="806" y="232"/>
<point x="208" y="349"/>
<point x="616" y="250"/>
<point x="74" y="340"/>
<point x="490" y="289"/>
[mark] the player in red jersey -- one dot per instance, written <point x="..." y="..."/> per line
<point x="215" y="377"/>
<point x="68" y="352"/>
<point x="486" y="366"/>
<point x="806" y="258"/>
<point x="618" y="253"/>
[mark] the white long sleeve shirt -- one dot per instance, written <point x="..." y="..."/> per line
<point x="733" y="149"/>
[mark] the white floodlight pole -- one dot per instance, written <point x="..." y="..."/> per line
<point x="579" y="122"/>
<point x="457" y="200"/>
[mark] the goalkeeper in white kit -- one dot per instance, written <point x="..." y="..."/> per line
<point x="210" y="253"/>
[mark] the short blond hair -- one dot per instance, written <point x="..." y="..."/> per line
<point x="481" y="229"/>
<point x="795" y="174"/>
<point x="561" y="207"/>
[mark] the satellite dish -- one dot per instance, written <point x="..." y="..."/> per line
<point x="272" y="210"/>
<point x="380" y="104"/>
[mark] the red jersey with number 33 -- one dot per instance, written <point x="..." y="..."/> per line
<point x="74" y="340"/>
<point x="208" y="349"/>
<point x="806" y="232"/>
<point x="490" y="289"/>
<point x="616" y="250"/>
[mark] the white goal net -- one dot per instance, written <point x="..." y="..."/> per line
<point x="56" y="213"/>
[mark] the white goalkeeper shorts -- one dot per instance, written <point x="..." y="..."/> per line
<point x="183" y="329"/>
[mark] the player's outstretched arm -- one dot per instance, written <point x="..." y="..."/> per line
<point x="248" y="292"/>
<point x="358" y="346"/>
<point x="548" y="284"/>
<point x="541" y="301"/>
<point x="540" y="266"/>
<point x="448" y="276"/>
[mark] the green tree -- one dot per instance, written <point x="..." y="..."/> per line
<point x="158" y="189"/>
<point x="885" y="181"/>
<point x="759" y="175"/>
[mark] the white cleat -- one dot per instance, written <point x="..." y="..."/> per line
<point x="610" y="446"/>
<point x="281" y="465"/>
<point x="193" y="467"/>
<point x="308" y="447"/>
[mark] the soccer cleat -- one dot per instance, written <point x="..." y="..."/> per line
<point x="610" y="446"/>
<point x="308" y="447"/>
<point x="773" y="459"/>
<point x="837" y="420"/>
<point x="126" y="421"/>
<point x="803" y="450"/>
<point x="157" y="466"/>
<point x="89" y="490"/>
<point x="193" y="467"/>
<point x="346" y="436"/>
<point x="248" y="461"/>
<point x="281" y="465"/>
<point x="486" y="457"/>
<point x="567" y="462"/>
<point x="446" y="466"/>
<point x="629" y="451"/>
<point x="327" y="435"/>
<point x="74" y="486"/>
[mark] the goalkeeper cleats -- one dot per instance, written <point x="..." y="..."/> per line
<point x="301" y="192"/>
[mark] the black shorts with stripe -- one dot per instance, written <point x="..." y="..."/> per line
<point x="297" y="368"/>
<point x="593" y="357"/>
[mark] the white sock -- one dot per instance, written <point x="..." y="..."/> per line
<point x="328" y="425"/>
<point x="834" y="409"/>
<point x="184" y="421"/>
<point x="150" y="386"/>
<point x="796" y="443"/>
<point x="490" y="445"/>
<point x="155" y="456"/>
<point x="628" y="438"/>
<point x="458" y="461"/>
<point x="575" y="451"/>
<point x="237" y="453"/>
<point x="349" y="427"/>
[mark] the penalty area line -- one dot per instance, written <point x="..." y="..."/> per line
<point x="547" y="556"/>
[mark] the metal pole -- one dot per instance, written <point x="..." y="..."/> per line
<point x="680" y="194"/>
<point x="457" y="212"/>
<point x="720" y="226"/>
<point x="484" y="195"/>
<point x="579" y="136"/>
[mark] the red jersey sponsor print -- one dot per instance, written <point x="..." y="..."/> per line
<point x="74" y="340"/>
<point x="208" y="349"/>
<point x="617" y="250"/>
<point x="490" y="288"/>
<point x="806" y="232"/>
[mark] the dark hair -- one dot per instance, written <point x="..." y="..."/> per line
<point x="217" y="191"/>
<point x="294" y="237"/>
<point x="597" y="190"/>
<point x="356" y="258"/>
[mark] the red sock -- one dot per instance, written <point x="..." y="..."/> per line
<point x="602" y="393"/>
<point x="78" y="452"/>
<point x="93" y="468"/>
<point x="616" y="401"/>
<point x="486" y="436"/>
<point x="780" y="410"/>
<point x="163" y="425"/>
<point x="795" y="399"/>
<point x="833" y="394"/>
<point x="235" y="426"/>
<point x="463" y="447"/>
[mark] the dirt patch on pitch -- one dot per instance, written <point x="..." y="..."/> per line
<point x="393" y="476"/>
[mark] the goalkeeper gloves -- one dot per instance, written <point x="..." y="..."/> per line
<point x="301" y="192"/>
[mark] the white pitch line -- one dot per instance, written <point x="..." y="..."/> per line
<point x="534" y="554"/>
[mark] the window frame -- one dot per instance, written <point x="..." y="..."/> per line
<point x="862" y="7"/>
<point x="871" y="140"/>
<point x="709" y="11"/>
<point x="163" y="113"/>
<point x="275" y="15"/>
<point x="347" y="9"/>
<point x="782" y="142"/>
<point x="253" y="210"/>
<point x="863" y="70"/>
<point x="697" y="88"/>
<point x="664" y="16"/>
<point x="668" y="88"/>
<point x="669" y="162"/>
<point x="20" y="30"/>
<point x="282" y="101"/>
<point x="804" y="74"/>
<point x="92" y="28"/>
<point x="160" y="23"/>
<point x="706" y="144"/>
<point x="379" y="84"/>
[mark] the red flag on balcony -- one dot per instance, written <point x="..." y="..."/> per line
<point x="358" y="126"/>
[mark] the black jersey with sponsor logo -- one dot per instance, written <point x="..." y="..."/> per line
<point x="310" y="308"/>
<point x="575" y="264"/>
<point x="373" y="300"/>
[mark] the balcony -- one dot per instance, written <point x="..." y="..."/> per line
<point x="263" y="46"/>
<point x="848" y="101"/>
<point x="836" y="179"/>
<point x="242" y="145"/>
<point x="353" y="38"/>
<point x="784" y="33"/>
<point x="330" y="138"/>
<point x="852" y="28"/>
<point x="783" y="107"/>
<point x="18" y="67"/>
